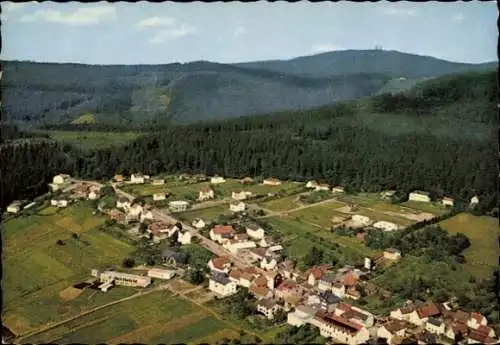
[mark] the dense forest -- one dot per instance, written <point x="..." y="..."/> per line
<point x="445" y="147"/>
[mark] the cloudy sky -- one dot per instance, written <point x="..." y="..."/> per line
<point x="146" y="33"/>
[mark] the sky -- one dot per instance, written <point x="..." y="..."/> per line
<point x="158" y="33"/>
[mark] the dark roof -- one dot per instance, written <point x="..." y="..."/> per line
<point x="328" y="277"/>
<point x="329" y="297"/>
<point x="434" y="321"/>
<point x="220" y="278"/>
<point x="178" y="257"/>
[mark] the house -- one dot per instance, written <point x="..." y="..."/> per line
<point x="392" y="254"/>
<point x="312" y="184"/>
<point x="287" y="269"/>
<point x="222" y="285"/>
<point x="322" y="186"/>
<point x="244" y="277"/>
<point x="198" y="223"/>
<point x="446" y="201"/>
<point x="158" y="182"/>
<point x="268" y="263"/>
<point x="161" y="274"/>
<point x="476" y="337"/>
<point x="59" y="202"/>
<point x="137" y="178"/>
<point x="266" y="242"/>
<point x="361" y="220"/>
<point x="326" y="281"/>
<point x="241" y="195"/>
<point x="178" y="205"/>
<point x="123" y="203"/>
<point x="424" y="337"/>
<point x="260" y="291"/>
<point x="255" y="231"/>
<point x="288" y="288"/>
<point x="404" y="313"/>
<point x="392" y="329"/>
<point x="171" y="258"/>
<point x="269" y="307"/>
<point x="474" y="201"/>
<point x="60" y="179"/>
<point x="246" y="180"/>
<point x="160" y="227"/>
<point x="146" y="215"/>
<point x="338" y="289"/>
<point x="271" y="182"/>
<point x="221" y="232"/>
<point x="14" y="207"/>
<point x="435" y="326"/>
<point x="350" y="279"/>
<point x="237" y="206"/>
<point x="134" y="211"/>
<point x="206" y="194"/>
<point x="476" y="320"/>
<point x="338" y="190"/>
<point x="353" y="293"/>
<point x="274" y="278"/>
<point x="456" y="328"/>
<point x="424" y="313"/>
<point x="419" y="196"/>
<point x="355" y="314"/>
<point x="118" y="178"/>
<point x="93" y="195"/>
<point x="490" y="332"/>
<point x="385" y="226"/>
<point x="388" y="194"/>
<point x="336" y="327"/>
<point x="314" y="274"/>
<point x="217" y="179"/>
<point x="184" y="237"/>
<point x="159" y="196"/>
<point x="220" y="264"/>
<point x="328" y="301"/>
<point x="301" y="316"/>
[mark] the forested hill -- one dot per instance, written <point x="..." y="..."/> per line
<point x="37" y="94"/>
<point x="439" y="137"/>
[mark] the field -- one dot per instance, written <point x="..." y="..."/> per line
<point x="482" y="255"/>
<point x="36" y="270"/>
<point x="207" y="213"/>
<point x="282" y="204"/>
<point x="93" y="140"/>
<point x="433" y="208"/>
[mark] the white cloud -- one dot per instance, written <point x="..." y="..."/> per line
<point x="155" y="22"/>
<point x="172" y="33"/>
<point x="82" y="16"/>
<point x="458" y="17"/>
<point x="239" y="31"/>
<point x="400" y="12"/>
<point x="327" y="47"/>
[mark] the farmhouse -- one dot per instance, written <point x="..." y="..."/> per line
<point x="269" y="307"/>
<point x="158" y="182"/>
<point x="392" y="254"/>
<point x="419" y="196"/>
<point x="221" y="232"/>
<point x="254" y="231"/>
<point x="14" y="207"/>
<point x="137" y="178"/>
<point x="222" y="285"/>
<point x="474" y="200"/>
<point x="161" y="274"/>
<point x="241" y="195"/>
<point x="385" y="226"/>
<point x="184" y="237"/>
<point x="217" y="179"/>
<point x="60" y="179"/>
<point x="206" y="194"/>
<point x="271" y="182"/>
<point x="338" y="189"/>
<point x="124" y="279"/>
<point x="446" y="201"/>
<point x="237" y="206"/>
<point x="322" y="186"/>
<point x="178" y="205"/>
<point x="339" y="328"/>
<point x="159" y="196"/>
<point x="198" y="223"/>
<point x="59" y="202"/>
<point x="123" y="203"/>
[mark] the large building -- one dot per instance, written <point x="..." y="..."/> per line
<point x="419" y="196"/>
<point x="124" y="279"/>
<point x="178" y="205"/>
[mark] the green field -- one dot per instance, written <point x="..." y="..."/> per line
<point x="319" y="215"/>
<point x="93" y="140"/>
<point x="482" y="255"/>
<point x="36" y="269"/>
<point x="433" y="208"/>
<point x="282" y="204"/>
<point x="207" y="213"/>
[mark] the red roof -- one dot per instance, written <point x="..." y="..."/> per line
<point x="223" y="229"/>
<point x="484" y="329"/>
<point x="287" y="285"/>
<point x="220" y="262"/>
<point x="459" y="327"/>
<point x="480" y="337"/>
<point x="428" y="310"/>
<point x="338" y="321"/>
<point x="259" y="290"/>
<point x="319" y="270"/>
<point x="350" y="279"/>
<point x="344" y="306"/>
<point x="261" y="281"/>
<point x="477" y="316"/>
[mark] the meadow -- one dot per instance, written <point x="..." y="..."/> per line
<point x="482" y="255"/>
<point x="206" y="213"/>
<point x="433" y="208"/>
<point x="282" y="204"/>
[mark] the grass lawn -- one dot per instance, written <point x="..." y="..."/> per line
<point x="432" y="208"/>
<point x="282" y="204"/>
<point x="93" y="140"/>
<point x="319" y="215"/>
<point x="198" y="329"/>
<point x="482" y="255"/>
<point x="207" y="213"/>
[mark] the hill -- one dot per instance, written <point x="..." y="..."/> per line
<point x="36" y="94"/>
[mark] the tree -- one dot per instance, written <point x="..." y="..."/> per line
<point x="195" y="277"/>
<point x="60" y="243"/>
<point x="74" y="235"/>
<point x="128" y="262"/>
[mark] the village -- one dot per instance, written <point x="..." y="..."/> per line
<point x="247" y="257"/>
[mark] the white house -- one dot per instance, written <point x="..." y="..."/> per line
<point x="198" y="223"/>
<point x="123" y="203"/>
<point x="15" y="207"/>
<point x="222" y="285"/>
<point x="233" y="245"/>
<point x="135" y="211"/>
<point x="184" y="237"/>
<point x="255" y="231"/>
<point x="476" y="320"/>
<point x="446" y="201"/>
<point x="419" y="196"/>
<point x="435" y="326"/>
<point x="338" y="289"/>
<point x="178" y="205"/>
<point x="271" y="182"/>
<point x="159" y="196"/>
<point x="206" y="194"/>
<point x="385" y="226"/>
<point x="338" y="189"/>
<point x="137" y="178"/>
<point x="474" y="200"/>
<point x="161" y="274"/>
<point x="220" y="264"/>
<point x="237" y="206"/>
<point x="268" y="263"/>
<point x="361" y="220"/>
<point x="311" y="184"/>
<point x="59" y="202"/>
<point x="60" y="179"/>
<point x="269" y="307"/>
<point x="241" y="195"/>
<point x="217" y="179"/>
<point x="221" y="232"/>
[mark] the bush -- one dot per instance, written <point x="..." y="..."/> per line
<point x="128" y="262"/>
